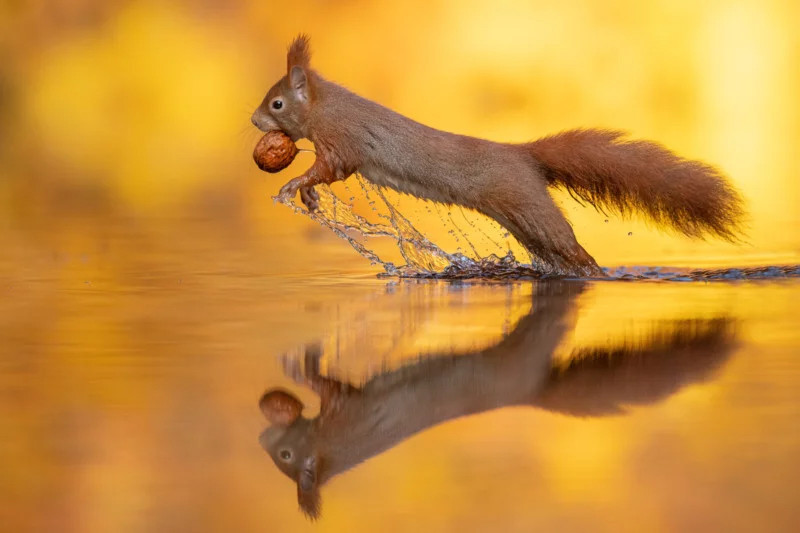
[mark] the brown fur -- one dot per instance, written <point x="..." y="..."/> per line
<point x="299" y="53"/>
<point x="506" y="182"/>
<point x="607" y="171"/>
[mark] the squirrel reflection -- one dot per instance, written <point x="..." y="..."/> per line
<point x="356" y="423"/>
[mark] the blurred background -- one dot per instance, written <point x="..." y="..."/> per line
<point x="135" y="111"/>
<point x="148" y="282"/>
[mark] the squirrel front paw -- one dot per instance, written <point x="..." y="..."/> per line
<point x="288" y="191"/>
<point x="310" y="197"/>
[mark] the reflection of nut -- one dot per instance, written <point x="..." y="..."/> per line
<point x="280" y="407"/>
<point x="274" y="152"/>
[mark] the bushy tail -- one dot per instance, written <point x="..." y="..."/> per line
<point x="604" y="169"/>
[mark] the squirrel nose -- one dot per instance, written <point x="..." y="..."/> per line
<point x="254" y="121"/>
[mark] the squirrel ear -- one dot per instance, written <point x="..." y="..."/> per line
<point x="299" y="53"/>
<point x="299" y="82"/>
<point x="280" y="407"/>
<point x="308" y="489"/>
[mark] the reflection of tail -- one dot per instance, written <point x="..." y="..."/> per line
<point x="602" y="168"/>
<point x="603" y="381"/>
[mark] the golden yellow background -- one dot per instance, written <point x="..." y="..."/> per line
<point x="143" y="107"/>
<point x="148" y="281"/>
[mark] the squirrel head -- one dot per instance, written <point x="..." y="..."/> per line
<point x="289" y="441"/>
<point x="287" y="104"/>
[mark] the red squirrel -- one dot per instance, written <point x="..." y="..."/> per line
<point x="356" y="423"/>
<point x="507" y="182"/>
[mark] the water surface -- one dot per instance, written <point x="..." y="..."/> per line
<point x="134" y="360"/>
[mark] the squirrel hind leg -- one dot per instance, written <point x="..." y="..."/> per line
<point x="561" y="252"/>
<point x="544" y="231"/>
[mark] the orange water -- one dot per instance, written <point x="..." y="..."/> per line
<point x="135" y="352"/>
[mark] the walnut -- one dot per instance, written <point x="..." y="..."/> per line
<point x="280" y="407"/>
<point x="274" y="152"/>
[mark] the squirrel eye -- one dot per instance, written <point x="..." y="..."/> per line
<point x="277" y="104"/>
<point x="285" y="455"/>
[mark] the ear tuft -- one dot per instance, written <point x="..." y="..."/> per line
<point x="308" y="488"/>
<point x="299" y="53"/>
<point x="310" y="502"/>
<point x="280" y="407"/>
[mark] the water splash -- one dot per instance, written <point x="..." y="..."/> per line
<point x="427" y="260"/>
<point x="423" y="258"/>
